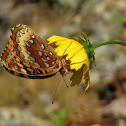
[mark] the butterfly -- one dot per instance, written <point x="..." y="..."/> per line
<point x="28" y="55"/>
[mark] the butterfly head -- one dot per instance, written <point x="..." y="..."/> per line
<point x="64" y="68"/>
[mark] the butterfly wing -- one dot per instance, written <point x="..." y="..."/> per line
<point x="28" y="55"/>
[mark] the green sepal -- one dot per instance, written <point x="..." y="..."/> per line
<point x="88" y="46"/>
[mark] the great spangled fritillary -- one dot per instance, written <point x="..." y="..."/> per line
<point x="27" y="55"/>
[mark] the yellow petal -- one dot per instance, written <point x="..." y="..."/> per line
<point x="80" y="56"/>
<point x="86" y="77"/>
<point x="56" y="38"/>
<point x="75" y="51"/>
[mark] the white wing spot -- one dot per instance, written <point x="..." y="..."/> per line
<point x="18" y="34"/>
<point x="17" y="40"/>
<point x="22" y="31"/>
<point x="26" y="29"/>
<point x="21" y="54"/>
<point x="15" y="66"/>
<point x="47" y="65"/>
<point x="33" y="36"/>
<point x="7" y="64"/>
<point x="27" y="43"/>
<point x="26" y="61"/>
<point x="31" y="58"/>
<point x="42" y="46"/>
<point x="53" y="62"/>
<point x="53" y="58"/>
<point x="36" y="64"/>
<point x="12" y="29"/>
<point x="18" y="25"/>
<point x="45" y="54"/>
<point x="31" y="41"/>
<point x="50" y="53"/>
<point x="40" y="53"/>
<point x="19" y="48"/>
<point x="11" y="49"/>
<point x="47" y="58"/>
<point x="15" y="61"/>
<point x="29" y="53"/>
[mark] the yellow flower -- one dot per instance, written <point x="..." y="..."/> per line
<point x="77" y="55"/>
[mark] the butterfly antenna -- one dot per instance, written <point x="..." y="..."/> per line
<point x="65" y="83"/>
<point x="54" y="95"/>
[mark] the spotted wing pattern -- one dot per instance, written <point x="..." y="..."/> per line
<point x="27" y="55"/>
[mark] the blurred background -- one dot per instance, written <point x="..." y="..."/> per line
<point x="25" y="102"/>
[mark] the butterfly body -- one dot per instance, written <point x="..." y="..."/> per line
<point x="27" y="55"/>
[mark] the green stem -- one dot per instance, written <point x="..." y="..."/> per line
<point x="110" y="42"/>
